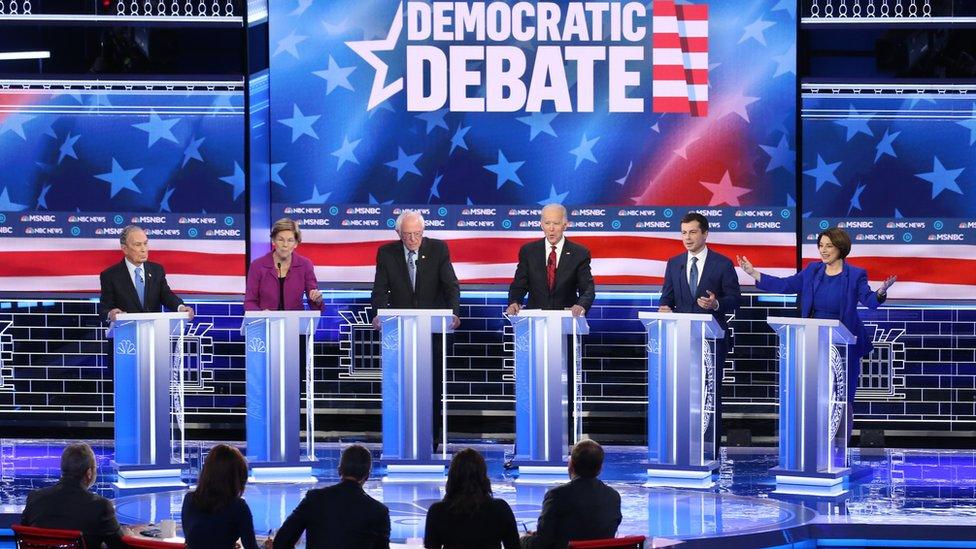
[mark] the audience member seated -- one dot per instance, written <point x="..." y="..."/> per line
<point x="469" y="517"/>
<point x="214" y="515"/>
<point x="69" y="505"/>
<point x="584" y="508"/>
<point x="340" y="516"/>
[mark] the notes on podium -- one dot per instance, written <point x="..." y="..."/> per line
<point x="681" y="422"/>
<point x="407" y="354"/>
<point x="813" y="428"/>
<point x="541" y="388"/>
<point x="146" y="371"/>
<point x="272" y="358"/>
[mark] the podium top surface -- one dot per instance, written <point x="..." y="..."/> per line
<point x="564" y="315"/>
<point x="546" y="313"/>
<point x="841" y="330"/>
<point x="254" y="315"/>
<point x="714" y="330"/>
<point x="151" y="316"/>
<point x="384" y="313"/>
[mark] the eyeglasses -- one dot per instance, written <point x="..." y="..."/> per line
<point x="416" y="234"/>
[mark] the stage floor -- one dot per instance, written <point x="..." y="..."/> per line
<point x="896" y="495"/>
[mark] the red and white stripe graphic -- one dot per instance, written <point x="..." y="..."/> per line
<point x="924" y="271"/>
<point x="73" y="264"/>
<point x="680" y="58"/>
<point x="491" y="257"/>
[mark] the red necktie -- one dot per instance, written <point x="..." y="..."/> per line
<point x="551" y="269"/>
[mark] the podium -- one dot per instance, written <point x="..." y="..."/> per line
<point x="541" y="417"/>
<point x="273" y="397"/>
<point x="407" y="395"/>
<point x="812" y="406"/>
<point x="681" y="422"/>
<point x="144" y="375"/>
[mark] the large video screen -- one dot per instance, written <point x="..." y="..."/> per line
<point x="81" y="160"/>
<point x="896" y="169"/>
<point x="478" y="113"/>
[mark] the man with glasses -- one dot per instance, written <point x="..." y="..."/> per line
<point x="415" y="272"/>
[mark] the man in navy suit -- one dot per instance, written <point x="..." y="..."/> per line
<point x="702" y="281"/>
<point x="136" y="285"/>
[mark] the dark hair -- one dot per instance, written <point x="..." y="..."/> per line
<point x="76" y="460"/>
<point x="222" y="479"/>
<point x="587" y="458"/>
<point x="355" y="462"/>
<point x="695" y="216"/>
<point x="839" y="238"/>
<point x="467" y="483"/>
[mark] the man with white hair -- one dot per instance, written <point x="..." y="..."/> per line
<point x="415" y="272"/>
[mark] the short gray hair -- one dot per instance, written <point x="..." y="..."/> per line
<point x="409" y="213"/>
<point x="555" y="206"/>
<point x="125" y="232"/>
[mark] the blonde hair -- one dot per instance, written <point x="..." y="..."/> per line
<point x="286" y="224"/>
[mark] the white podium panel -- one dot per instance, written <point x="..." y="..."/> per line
<point x="541" y="385"/>
<point x="407" y="392"/>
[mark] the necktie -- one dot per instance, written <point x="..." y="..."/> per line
<point x="140" y="286"/>
<point x="551" y="269"/>
<point x="412" y="268"/>
<point x="693" y="279"/>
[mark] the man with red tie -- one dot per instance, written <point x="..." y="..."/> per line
<point x="555" y="273"/>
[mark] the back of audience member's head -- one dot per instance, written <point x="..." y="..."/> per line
<point x="467" y="483"/>
<point x="222" y="479"/>
<point x="76" y="461"/>
<point x="355" y="463"/>
<point x="586" y="459"/>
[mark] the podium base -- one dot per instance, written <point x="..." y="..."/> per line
<point x="415" y="472"/>
<point x="136" y="477"/>
<point x="271" y="473"/>
<point x="682" y="476"/>
<point x="815" y="483"/>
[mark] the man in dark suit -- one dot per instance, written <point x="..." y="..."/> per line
<point x="556" y="275"/>
<point x="554" y="272"/>
<point x="415" y="272"/>
<point x="136" y="285"/>
<point x="69" y="505"/>
<point x="342" y="515"/>
<point x="703" y="281"/>
<point x="584" y="508"/>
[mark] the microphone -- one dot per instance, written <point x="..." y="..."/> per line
<point x="279" y="269"/>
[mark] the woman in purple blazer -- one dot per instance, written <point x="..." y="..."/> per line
<point x="276" y="281"/>
<point x="831" y="289"/>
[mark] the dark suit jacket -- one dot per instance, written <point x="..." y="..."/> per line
<point x="338" y="517"/>
<point x="718" y="276"/>
<point x="437" y="285"/>
<point x="69" y="506"/>
<point x="582" y="509"/>
<point x="574" y="281"/>
<point x="857" y="291"/>
<point x="119" y="292"/>
<point x="491" y="526"/>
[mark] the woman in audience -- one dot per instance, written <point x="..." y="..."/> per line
<point x="214" y="515"/>
<point x="469" y="516"/>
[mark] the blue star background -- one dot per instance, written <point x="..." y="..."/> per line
<point x="170" y="152"/>
<point x="889" y="157"/>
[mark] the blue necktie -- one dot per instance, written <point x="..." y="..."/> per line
<point x="693" y="279"/>
<point x="412" y="269"/>
<point x="140" y="286"/>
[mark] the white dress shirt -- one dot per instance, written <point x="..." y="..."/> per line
<point x="132" y="272"/>
<point x="701" y="264"/>
<point x="559" y="249"/>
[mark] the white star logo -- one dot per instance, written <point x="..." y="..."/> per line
<point x="365" y="48"/>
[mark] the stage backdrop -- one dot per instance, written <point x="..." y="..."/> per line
<point x="628" y="113"/>
<point x="895" y="166"/>
<point x="79" y="160"/>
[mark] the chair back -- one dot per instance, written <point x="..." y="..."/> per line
<point x="626" y="542"/>
<point x="149" y="543"/>
<point x="32" y="537"/>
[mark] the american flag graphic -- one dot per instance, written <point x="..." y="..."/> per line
<point x="680" y="58"/>
<point x="491" y="257"/>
